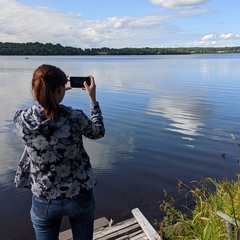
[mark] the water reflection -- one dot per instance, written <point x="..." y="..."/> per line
<point x="15" y="92"/>
<point x="182" y="112"/>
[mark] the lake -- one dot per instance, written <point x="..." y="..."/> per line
<point x="167" y="118"/>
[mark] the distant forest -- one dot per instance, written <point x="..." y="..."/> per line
<point x="36" y="48"/>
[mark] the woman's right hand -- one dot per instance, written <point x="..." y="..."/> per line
<point x="90" y="89"/>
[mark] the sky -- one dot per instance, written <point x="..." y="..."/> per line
<point x="122" y="23"/>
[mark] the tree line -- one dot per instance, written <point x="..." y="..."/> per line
<point x="36" y="48"/>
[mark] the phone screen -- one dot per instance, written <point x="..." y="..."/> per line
<point x="77" y="82"/>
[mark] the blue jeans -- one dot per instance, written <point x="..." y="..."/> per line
<point x="46" y="216"/>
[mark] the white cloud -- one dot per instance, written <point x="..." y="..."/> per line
<point x="208" y="37"/>
<point x="202" y="44"/>
<point x="20" y="23"/>
<point x="212" y="40"/>
<point x="177" y="3"/>
<point x="229" y="36"/>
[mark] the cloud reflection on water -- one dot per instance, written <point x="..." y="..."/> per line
<point x="14" y="90"/>
<point x="180" y="110"/>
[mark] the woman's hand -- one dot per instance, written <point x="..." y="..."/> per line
<point x="90" y="89"/>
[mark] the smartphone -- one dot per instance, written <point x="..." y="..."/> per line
<point x="77" y="82"/>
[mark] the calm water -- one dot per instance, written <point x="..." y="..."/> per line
<point x="166" y="117"/>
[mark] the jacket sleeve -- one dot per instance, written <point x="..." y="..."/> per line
<point x="95" y="127"/>
<point x="17" y="117"/>
<point x="18" y="122"/>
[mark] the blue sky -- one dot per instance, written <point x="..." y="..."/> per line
<point x="122" y="23"/>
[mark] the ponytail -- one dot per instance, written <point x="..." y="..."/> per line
<point x="46" y="79"/>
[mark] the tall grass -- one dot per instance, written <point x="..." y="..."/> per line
<point x="201" y="221"/>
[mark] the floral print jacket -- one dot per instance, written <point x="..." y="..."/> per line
<point x="54" y="163"/>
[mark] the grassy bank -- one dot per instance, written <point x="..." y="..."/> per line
<point x="198" y="218"/>
<point x="202" y="221"/>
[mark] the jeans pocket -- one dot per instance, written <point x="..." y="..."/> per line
<point x="85" y="201"/>
<point x="40" y="207"/>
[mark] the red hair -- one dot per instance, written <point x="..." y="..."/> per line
<point x="46" y="79"/>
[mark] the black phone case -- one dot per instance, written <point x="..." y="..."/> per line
<point x="77" y="82"/>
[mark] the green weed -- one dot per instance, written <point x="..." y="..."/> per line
<point x="201" y="221"/>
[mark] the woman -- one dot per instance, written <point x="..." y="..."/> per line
<point x="55" y="165"/>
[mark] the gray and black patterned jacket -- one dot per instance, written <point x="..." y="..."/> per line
<point x="54" y="163"/>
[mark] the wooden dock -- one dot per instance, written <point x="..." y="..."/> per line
<point x="135" y="228"/>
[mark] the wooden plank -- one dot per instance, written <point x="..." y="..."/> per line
<point x="114" y="232"/>
<point x="228" y="219"/>
<point x="145" y="225"/>
<point x="133" y="236"/>
<point x="230" y="222"/>
<point x="130" y="235"/>
<point x="121" y="234"/>
<point x="100" y="222"/>
<point x="117" y="227"/>
<point x="136" y="228"/>
<point x="141" y="236"/>
<point x="66" y="235"/>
